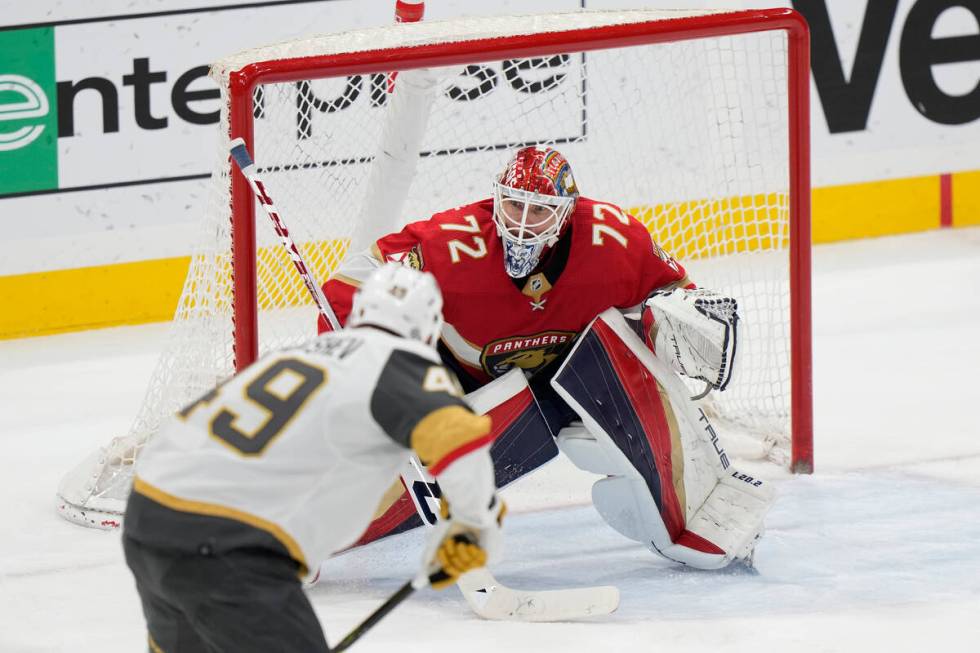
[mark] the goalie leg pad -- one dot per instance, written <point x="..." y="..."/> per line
<point x="670" y="484"/>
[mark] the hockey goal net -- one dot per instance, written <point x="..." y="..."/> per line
<point x="694" y="121"/>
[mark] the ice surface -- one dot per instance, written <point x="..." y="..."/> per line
<point x="880" y="550"/>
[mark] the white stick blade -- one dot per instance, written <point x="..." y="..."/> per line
<point x="491" y="600"/>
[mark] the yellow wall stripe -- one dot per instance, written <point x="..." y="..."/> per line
<point x="90" y="298"/>
<point x="875" y="209"/>
<point x="147" y="291"/>
<point x="966" y="199"/>
<point x="707" y="228"/>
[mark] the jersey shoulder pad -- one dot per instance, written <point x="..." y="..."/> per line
<point x="410" y="387"/>
<point x="473" y="218"/>
<point x="423" y="244"/>
<point x="607" y="223"/>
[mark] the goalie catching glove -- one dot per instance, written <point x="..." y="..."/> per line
<point x="695" y="332"/>
<point x="456" y="547"/>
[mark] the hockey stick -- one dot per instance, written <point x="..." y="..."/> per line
<point x="491" y="600"/>
<point x="241" y="157"/>
<point x="393" y="601"/>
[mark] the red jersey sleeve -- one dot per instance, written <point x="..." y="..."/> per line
<point x="339" y="292"/>
<point x="403" y="246"/>
<point x="651" y="267"/>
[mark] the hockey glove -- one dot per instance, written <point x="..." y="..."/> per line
<point x="456" y="547"/>
<point x="695" y="332"/>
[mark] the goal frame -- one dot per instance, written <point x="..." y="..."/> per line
<point x="243" y="82"/>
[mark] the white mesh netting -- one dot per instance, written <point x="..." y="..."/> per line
<point x="690" y="136"/>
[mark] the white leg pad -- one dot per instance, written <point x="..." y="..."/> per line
<point x="730" y="518"/>
<point x="732" y="515"/>
<point x="624" y="502"/>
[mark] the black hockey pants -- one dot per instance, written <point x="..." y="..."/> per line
<point x="240" y="601"/>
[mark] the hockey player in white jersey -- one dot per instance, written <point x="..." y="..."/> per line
<point x="245" y="490"/>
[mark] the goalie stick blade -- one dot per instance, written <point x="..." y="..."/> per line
<point x="491" y="600"/>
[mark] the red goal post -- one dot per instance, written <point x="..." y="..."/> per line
<point x="243" y="82"/>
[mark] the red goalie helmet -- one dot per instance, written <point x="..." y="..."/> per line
<point x="540" y="170"/>
<point x="532" y="199"/>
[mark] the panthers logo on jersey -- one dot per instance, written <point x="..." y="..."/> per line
<point x="412" y="258"/>
<point x="530" y="353"/>
<point x="664" y="256"/>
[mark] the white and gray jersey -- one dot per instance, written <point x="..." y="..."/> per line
<point x="296" y="451"/>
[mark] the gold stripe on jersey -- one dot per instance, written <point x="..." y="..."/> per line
<point x="154" y="647"/>
<point x="447" y="433"/>
<point x="350" y="281"/>
<point x="217" y="510"/>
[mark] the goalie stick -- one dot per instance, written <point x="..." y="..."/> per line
<point x="390" y="604"/>
<point x="487" y="598"/>
<point x="241" y="157"/>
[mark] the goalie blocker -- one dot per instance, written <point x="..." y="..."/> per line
<point x="669" y="483"/>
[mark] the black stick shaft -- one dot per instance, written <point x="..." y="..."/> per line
<point x="403" y="593"/>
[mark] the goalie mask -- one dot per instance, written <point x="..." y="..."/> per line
<point x="532" y="199"/>
<point x="399" y="299"/>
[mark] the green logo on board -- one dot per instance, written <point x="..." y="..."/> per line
<point x="28" y="121"/>
<point x="33" y="105"/>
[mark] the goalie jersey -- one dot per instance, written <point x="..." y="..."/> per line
<point x="295" y="452"/>
<point x="493" y="323"/>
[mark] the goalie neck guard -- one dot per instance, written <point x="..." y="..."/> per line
<point x="401" y="300"/>
<point x="532" y="199"/>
